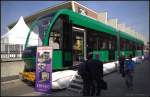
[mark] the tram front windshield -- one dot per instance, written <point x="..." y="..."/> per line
<point x="35" y="39"/>
<point x="39" y="30"/>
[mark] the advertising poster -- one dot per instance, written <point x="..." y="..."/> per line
<point x="44" y="69"/>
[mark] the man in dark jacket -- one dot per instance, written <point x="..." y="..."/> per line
<point x="95" y="70"/>
<point x="121" y="63"/>
<point x="82" y="71"/>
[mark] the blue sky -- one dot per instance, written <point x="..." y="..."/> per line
<point x="132" y="13"/>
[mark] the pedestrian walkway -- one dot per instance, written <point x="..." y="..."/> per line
<point x="117" y="87"/>
<point x="141" y="82"/>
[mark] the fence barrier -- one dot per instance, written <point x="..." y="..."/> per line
<point x="11" y="51"/>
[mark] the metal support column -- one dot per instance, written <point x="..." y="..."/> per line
<point x="118" y="44"/>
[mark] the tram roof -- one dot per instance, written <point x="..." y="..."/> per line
<point x="96" y="25"/>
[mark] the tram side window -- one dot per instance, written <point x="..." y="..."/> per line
<point x="125" y="45"/>
<point x="141" y="47"/>
<point x="137" y="46"/>
<point x="122" y="44"/>
<point x="111" y="45"/>
<point x="92" y="40"/>
<point x="131" y="45"/>
<point x="93" y="43"/>
<point x="114" y="45"/>
<point x="134" y="46"/>
<point x="128" y="45"/>
<point x="100" y="44"/>
<point x="55" y="39"/>
<point x="105" y="44"/>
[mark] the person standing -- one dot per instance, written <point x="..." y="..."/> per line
<point x="129" y="70"/>
<point x="82" y="71"/>
<point x="95" y="69"/>
<point x="121" y="65"/>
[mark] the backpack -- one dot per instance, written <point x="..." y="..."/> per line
<point x="104" y="85"/>
<point x="129" y="66"/>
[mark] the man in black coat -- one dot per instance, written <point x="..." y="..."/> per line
<point x="95" y="70"/>
<point x="121" y="67"/>
<point x="82" y="71"/>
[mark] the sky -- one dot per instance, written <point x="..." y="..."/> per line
<point x="133" y="13"/>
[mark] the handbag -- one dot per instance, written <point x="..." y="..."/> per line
<point x="104" y="85"/>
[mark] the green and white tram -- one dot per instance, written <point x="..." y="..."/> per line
<point x="72" y="36"/>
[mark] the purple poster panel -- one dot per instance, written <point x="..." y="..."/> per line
<point x="44" y="69"/>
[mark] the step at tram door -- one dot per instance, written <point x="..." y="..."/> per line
<point x="79" y="45"/>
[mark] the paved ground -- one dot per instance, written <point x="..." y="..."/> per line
<point x="116" y="85"/>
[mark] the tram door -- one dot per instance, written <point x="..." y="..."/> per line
<point x="79" y="45"/>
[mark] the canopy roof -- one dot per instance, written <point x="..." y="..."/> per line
<point x="18" y="34"/>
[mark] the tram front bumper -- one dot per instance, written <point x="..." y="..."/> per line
<point x="28" y="76"/>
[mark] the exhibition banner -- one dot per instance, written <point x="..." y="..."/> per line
<point x="44" y="69"/>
